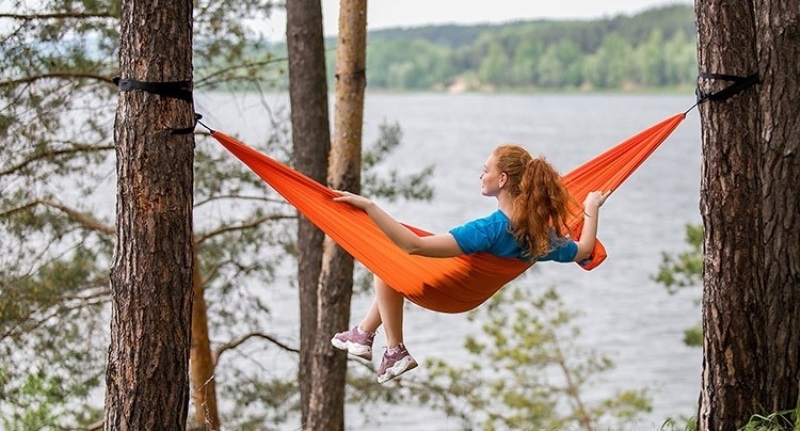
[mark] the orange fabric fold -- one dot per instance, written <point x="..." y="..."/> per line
<point x="450" y="285"/>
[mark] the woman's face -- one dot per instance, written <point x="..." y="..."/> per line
<point x="492" y="180"/>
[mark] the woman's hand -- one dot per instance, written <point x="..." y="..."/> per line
<point x="594" y="200"/>
<point x="434" y="245"/>
<point x="591" y="210"/>
<point x="353" y="199"/>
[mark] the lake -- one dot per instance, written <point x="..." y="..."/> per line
<point x="625" y="314"/>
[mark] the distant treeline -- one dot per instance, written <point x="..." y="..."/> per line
<point x="653" y="49"/>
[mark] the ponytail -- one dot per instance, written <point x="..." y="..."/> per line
<point x="541" y="202"/>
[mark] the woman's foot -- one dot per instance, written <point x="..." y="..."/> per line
<point x="396" y="361"/>
<point x="356" y="342"/>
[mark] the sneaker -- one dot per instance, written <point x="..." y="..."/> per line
<point x="395" y="363"/>
<point x="355" y="342"/>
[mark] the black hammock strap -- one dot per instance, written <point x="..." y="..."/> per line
<point x="174" y="89"/>
<point x="739" y="84"/>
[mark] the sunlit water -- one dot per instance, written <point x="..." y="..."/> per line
<point x="625" y="314"/>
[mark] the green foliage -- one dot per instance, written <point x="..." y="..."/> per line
<point x="56" y="212"/>
<point x="693" y="336"/>
<point x="688" y="424"/>
<point x="685" y="270"/>
<point x="392" y="185"/>
<point x="56" y="201"/>
<point x="778" y="421"/>
<point x="495" y="69"/>
<point x="390" y="66"/>
<point x="37" y="398"/>
<point x="655" y="48"/>
<point x="560" y="66"/>
<point x="609" y="66"/>
<point x="527" y="371"/>
<point x="56" y="120"/>
<point x="447" y="35"/>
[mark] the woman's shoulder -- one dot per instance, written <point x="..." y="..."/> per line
<point x="498" y="216"/>
<point x="496" y="221"/>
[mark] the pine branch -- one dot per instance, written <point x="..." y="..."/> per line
<point x="43" y="155"/>
<point x="91" y="298"/>
<point x="37" y="317"/>
<point x="572" y="390"/>
<point x="60" y="15"/>
<point x="56" y="75"/>
<point x="244" y="226"/>
<point x="85" y="220"/>
<point x="233" y="344"/>
<point x="210" y="79"/>
<point x="237" y="197"/>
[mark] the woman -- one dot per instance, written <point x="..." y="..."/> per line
<point x="530" y="223"/>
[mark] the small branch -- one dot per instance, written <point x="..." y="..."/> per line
<point x="572" y="389"/>
<point x="97" y="426"/>
<point x="90" y="299"/>
<point x="244" y="226"/>
<point x="85" y="220"/>
<point x="61" y="15"/>
<point x="239" y="341"/>
<point x="237" y="197"/>
<point x="212" y="272"/>
<point x="209" y="80"/>
<point x="56" y="75"/>
<point x="35" y="318"/>
<point x="11" y="211"/>
<point x="77" y="149"/>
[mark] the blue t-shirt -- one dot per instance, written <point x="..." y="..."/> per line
<point x="492" y="234"/>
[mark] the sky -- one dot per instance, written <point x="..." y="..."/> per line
<point x="411" y="13"/>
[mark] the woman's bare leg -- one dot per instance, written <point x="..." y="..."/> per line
<point x="372" y="320"/>
<point x="390" y="305"/>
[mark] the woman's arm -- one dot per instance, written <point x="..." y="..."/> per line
<point x="433" y="246"/>
<point x="591" y="209"/>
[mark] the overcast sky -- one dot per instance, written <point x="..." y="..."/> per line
<point x="408" y="13"/>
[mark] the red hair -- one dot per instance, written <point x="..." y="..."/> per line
<point x="541" y="202"/>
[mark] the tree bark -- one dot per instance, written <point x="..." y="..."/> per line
<point x="147" y="385"/>
<point x="326" y="410"/>
<point x="778" y="47"/>
<point x="308" y="94"/>
<point x="202" y="363"/>
<point x="749" y="204"/>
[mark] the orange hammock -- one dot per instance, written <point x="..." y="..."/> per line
<point x="454" y="284"/>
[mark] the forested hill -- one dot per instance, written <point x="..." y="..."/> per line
<point x="635" y="28"/>
<point x="653" y="49"/>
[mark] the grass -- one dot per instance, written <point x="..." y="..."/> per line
<point x="778" y="421"/>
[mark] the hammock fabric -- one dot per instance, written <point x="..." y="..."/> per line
<point x="450" y="285"/>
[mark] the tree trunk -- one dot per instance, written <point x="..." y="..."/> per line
<point x="749" y="204"/>
<point x="778" y="27"/>
<point x="147" y="385"/>
<point x="308" y="94"/>
<point x="202" y="364"/>
<point x="326" y="411"/>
